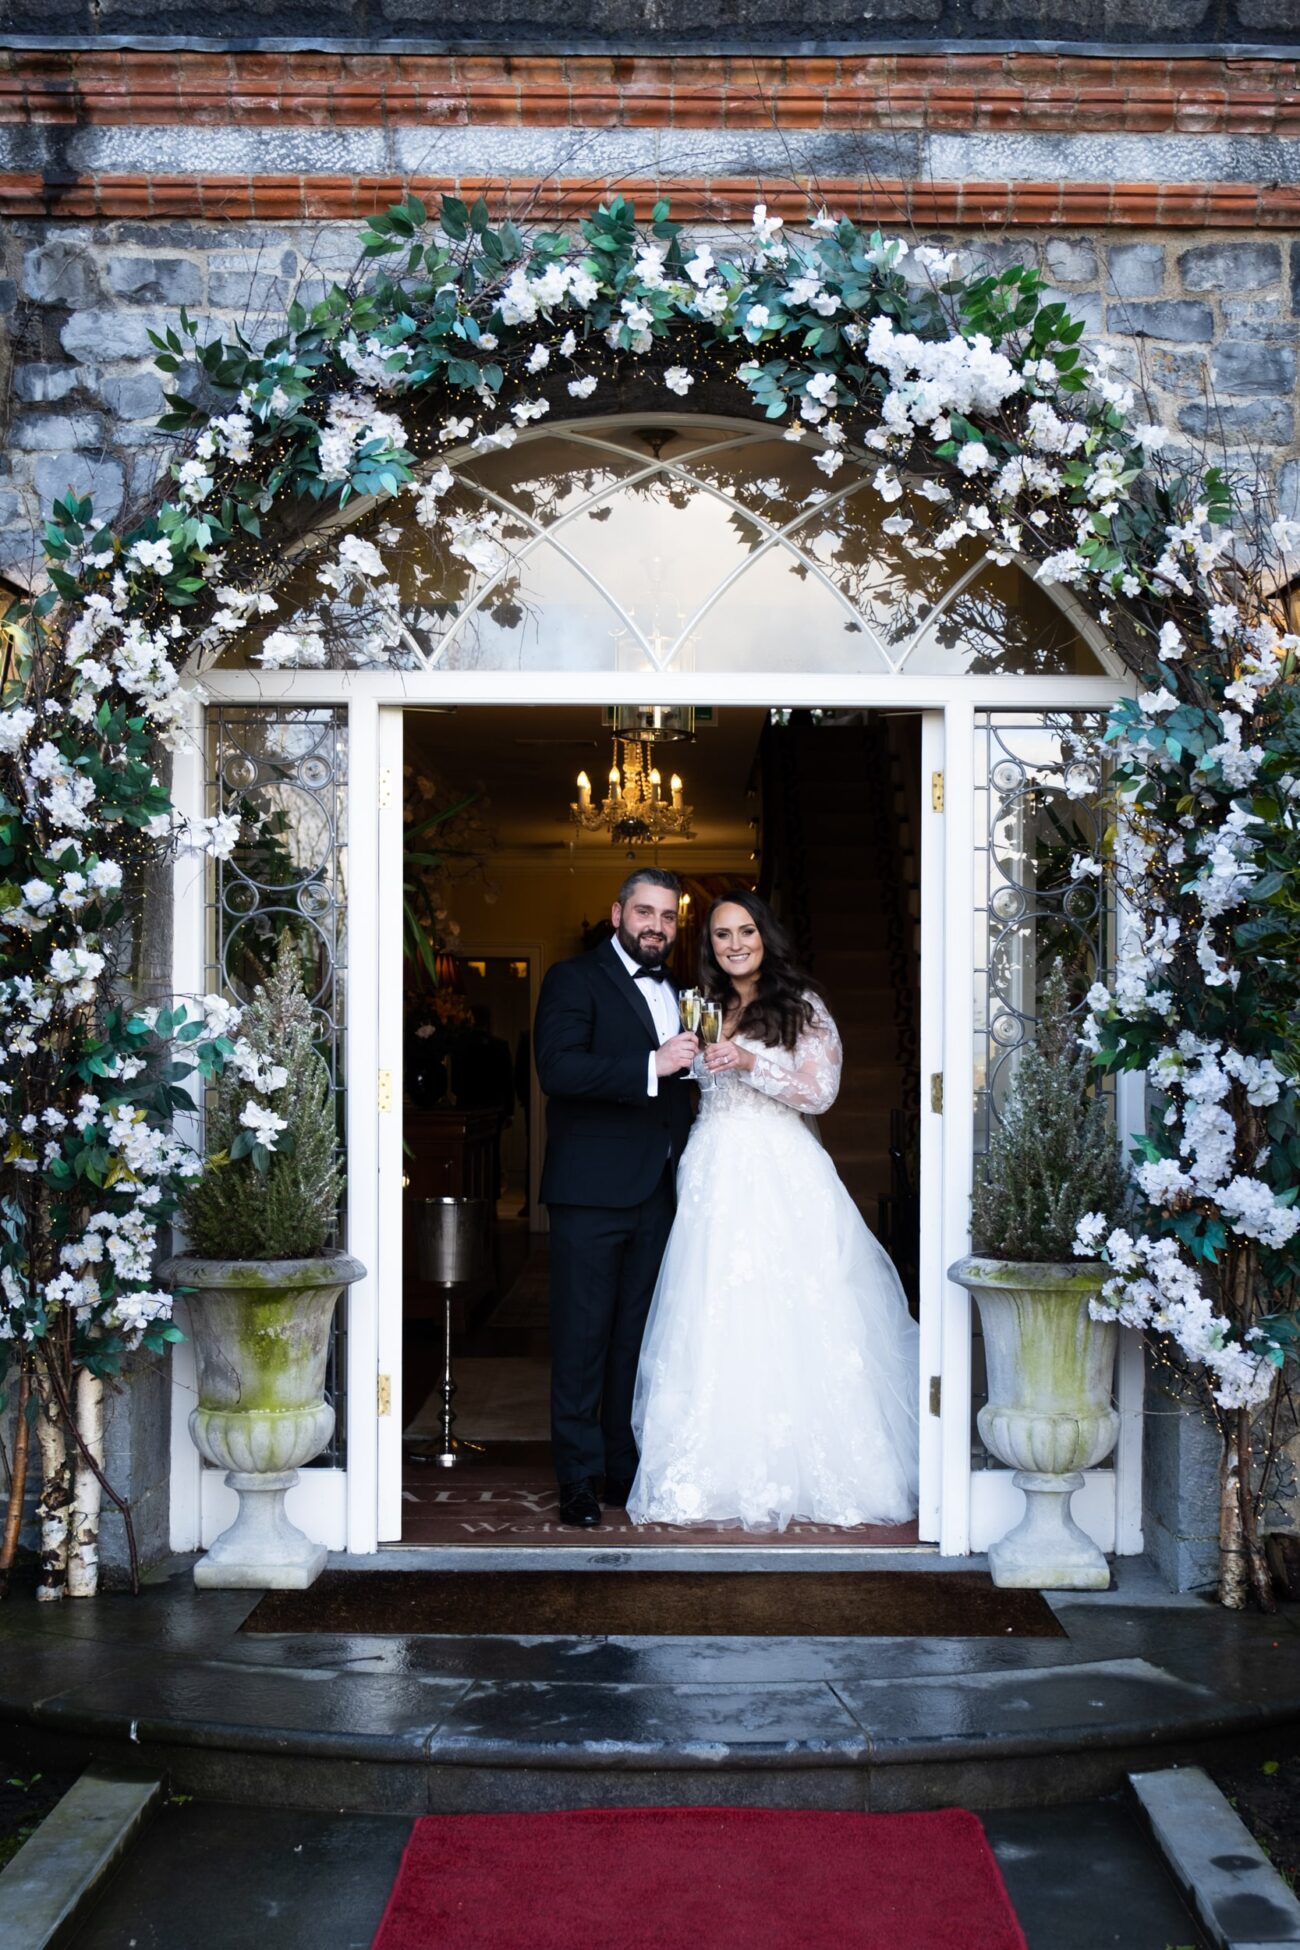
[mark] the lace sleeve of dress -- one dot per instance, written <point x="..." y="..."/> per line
<point x="807" y="1077"/>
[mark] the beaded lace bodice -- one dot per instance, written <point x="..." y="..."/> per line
<point x="805" y="1079"/>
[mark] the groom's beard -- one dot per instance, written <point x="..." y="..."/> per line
<point x="647" y="949"/>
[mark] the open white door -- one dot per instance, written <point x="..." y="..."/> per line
<point x="388" y="951"/>
<point x="930" y="1153"/>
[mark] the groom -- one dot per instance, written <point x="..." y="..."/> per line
<point x="613" y="1063"/>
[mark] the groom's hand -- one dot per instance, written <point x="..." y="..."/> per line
<point x="678" y="1053"/>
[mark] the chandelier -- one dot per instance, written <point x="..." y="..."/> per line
<point x="636" y="810"/>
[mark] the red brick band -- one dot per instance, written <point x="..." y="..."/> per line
<point x="1229" y="206"/>
<point x="1028" y="92"/>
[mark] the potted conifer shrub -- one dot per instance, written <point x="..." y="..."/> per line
<point x="262" y="1284"/>
<point x="1049" y="1414"/>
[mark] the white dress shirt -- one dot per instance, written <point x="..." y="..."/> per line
<point x="661" y="1000"/>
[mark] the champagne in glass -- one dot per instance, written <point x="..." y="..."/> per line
<point x="709" y="1031"/>
<point x="688" y="1008"/>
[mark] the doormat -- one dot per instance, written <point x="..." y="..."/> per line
<point x="654" y="1604"/>
<point x="676" y="1878"/>
<point x="505" y="1493"/>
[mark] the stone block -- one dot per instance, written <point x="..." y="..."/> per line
<point x="1230" y="267"/>
<point x="1179" y="373"/>
<point x="1271" y="420"/>
<point x="8" y="296"/>
<point x="1070" y="260"/>
<point x="241" y="291"/>
<point x="1181" y="320"/>
<point x="156" y="280"/>
<point x="56" y="433"/>
<point x="108" y="335"/>
<point x="1295" y="280"/>
<point x="134" y="396"/>
<point x="103" y="480"/>
<point x="1288" y="490"/>
<point x="62" y="273"/>
<point x="42" y="384"/>
<point x="1135" y="270"/>
<point x="1245" y="366"/>
<point x="1080" y="304"/>
<point x="1180" y="1489"/>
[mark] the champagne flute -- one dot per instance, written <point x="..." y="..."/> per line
<point x="709" y="1031"/>
<point x="688" y="1008"/>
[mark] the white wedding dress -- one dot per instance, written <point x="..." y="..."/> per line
<point x="778" y="1373"/>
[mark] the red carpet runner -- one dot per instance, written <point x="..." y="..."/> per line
<point x="699" y="1879"/>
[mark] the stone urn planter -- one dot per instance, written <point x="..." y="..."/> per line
<point x="261" y="1340"/>
<point x="1049" y="1414"/>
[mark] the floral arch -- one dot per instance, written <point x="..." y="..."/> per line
<point x="959" y="408"/>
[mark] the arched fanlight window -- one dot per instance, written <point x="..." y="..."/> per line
<point x="680" y="546"/>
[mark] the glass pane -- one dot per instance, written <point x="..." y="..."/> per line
<point x="1003" y="620"/>
<point x="778" y="615"/>
<point x="876" y="571"/>
<point x="546" y="478"/>
<point x="542" y="602"/>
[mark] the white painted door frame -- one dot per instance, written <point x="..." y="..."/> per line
<point x="359" y="1507"/>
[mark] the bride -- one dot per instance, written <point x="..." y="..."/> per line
<point x="778" y="1372"/>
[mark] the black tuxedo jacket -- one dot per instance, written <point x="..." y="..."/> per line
<point x="607" y="1139"/>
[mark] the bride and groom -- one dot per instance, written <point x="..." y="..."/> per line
<point x="730" y="1345"/>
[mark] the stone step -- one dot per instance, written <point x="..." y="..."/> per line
<point x="457" y="1724"/>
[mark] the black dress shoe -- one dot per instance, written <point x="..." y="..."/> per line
<point x="578" y="1505"/>
<point x="617" y="1491"/>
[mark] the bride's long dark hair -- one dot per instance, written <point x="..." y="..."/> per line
<point x="780" y="1010"/>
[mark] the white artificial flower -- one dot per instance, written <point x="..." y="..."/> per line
<point x="679" y="380"/>
<point x="583" y="388"/>
<point x="263" y="1122"/>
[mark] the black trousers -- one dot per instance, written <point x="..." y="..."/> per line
<point x="604" y="1263"/>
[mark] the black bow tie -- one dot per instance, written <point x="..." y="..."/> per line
<point x="656" y="974"/>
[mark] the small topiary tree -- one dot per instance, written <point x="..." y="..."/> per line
<point x="272" y="1185"/>
<point x="1053" y="1155"/>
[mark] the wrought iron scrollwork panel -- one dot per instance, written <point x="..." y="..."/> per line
<point x="281" y="770"/>
<point x="1038" y="825"/>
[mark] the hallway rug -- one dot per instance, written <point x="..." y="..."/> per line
<point x="682" y="1878"/>
<point x="660" y="1604"/>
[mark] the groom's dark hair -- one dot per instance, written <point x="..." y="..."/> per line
<point x="657" y="877"/>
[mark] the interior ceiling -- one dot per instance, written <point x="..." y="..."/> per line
<point x="526" y="759"/>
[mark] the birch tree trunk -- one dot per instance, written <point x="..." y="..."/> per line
<point x="83" y="1554"/>
<point x="56" y="1490"/>
<point x="1232" y="1554"/>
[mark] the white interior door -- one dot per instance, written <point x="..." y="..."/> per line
<point x="386" y="1385"/>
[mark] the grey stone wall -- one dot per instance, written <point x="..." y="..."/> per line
<point x="670" y="23"/>
<point x="1208" y="321"/>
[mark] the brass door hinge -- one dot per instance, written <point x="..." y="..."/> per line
<point x="384" y="1090"/>
<point x="384" y="1395"/>
<point x="385" y="787"/>
<point x="936" y="1394"/>
<point x="936" y="792"/>
<point x="936" y="1092"/>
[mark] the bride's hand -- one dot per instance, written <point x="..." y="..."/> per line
<point x="724" y="1055"/>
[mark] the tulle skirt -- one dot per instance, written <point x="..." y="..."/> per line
<point x="778" y="1374"/>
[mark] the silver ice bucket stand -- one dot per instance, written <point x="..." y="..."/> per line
<point x="451" y="1240"/>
